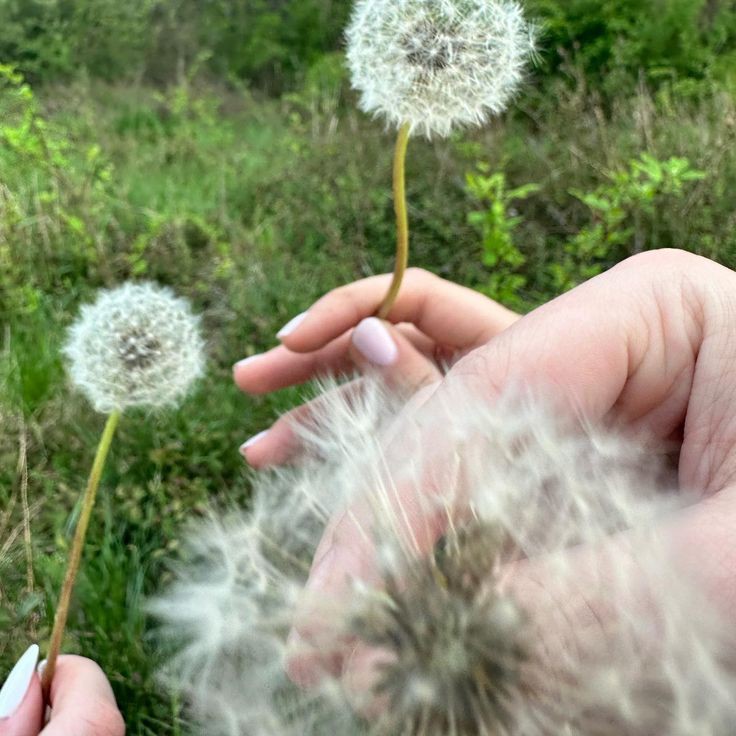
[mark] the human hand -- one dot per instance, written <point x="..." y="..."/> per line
<point x="82" y="701"/>
<point x="433" y="322"/>
<point x="650" y="344"/>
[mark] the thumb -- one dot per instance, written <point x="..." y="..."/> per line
<point x="21" y="702"/>
<point x="82" y="701"/>
<point x="381" y="346"/>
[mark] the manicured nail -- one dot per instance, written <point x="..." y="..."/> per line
<point x="291" y="325"/>
<point x="245" y="361"/>
<point x="252" y="441"/>
<point x="19" y="680"/>
<point x="374" y="342"/>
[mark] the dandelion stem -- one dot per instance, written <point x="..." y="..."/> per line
<point x="402" y="221"/>
<point x="75" y="556"/>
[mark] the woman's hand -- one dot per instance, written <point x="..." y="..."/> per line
<point x="433" y="324"/>
<point x="82" y="701"/>
<point x="650" y="344"/>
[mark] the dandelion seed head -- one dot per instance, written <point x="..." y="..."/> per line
<point x="437" y="64"/>
<point x="136" y="345"/>
<point x="450" y="664"/>
<point x="540" y="597"/>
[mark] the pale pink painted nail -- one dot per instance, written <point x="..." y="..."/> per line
<point x="245" y="361"/>
<point x="374" y="342"/>
<point x="291" y="325"/>
<point x="252" y="441"/>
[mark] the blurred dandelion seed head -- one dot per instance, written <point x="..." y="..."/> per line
<point x="437" y="64"/>
<point x="136" y="345"/>
<point x="454" y="644"/>
<point x="602" y="646"/>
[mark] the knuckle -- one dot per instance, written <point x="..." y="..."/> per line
<point x="664" y="260"/>
<point x="418" y="275"/>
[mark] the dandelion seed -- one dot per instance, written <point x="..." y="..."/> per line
<point x="465" y="643"/>
<point x="137" y="345"/>
<point x="437" y="64"/>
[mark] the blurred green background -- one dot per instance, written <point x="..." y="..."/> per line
<point x="216" y="147"/>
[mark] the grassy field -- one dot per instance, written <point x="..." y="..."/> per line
<point x="252" y="208"/>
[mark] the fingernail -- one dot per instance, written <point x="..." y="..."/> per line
<point x="374" y="342"/>
<point x="252" y="441"/>
<point x="291" y="325"/>
<point x="19" y="680"/>
<point x="245" y="361"/>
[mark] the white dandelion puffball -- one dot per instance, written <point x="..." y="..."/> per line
<point x="137" y="345"/>
<point x="437" y="64"/>
<point x="626" y="646"/>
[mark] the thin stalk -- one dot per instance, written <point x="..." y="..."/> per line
<point x="75" y="556"/>
<point x="402" y="222"/>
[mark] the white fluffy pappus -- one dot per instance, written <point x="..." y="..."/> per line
<point x="136" y="345"/>
<point x="437" y="64"/>
<point x="520" y="585"/>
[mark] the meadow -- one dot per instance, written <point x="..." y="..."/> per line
<point x="245" y="179"/>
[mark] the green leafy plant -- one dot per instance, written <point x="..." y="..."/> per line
<point x="624" y="215"/>
<point x="496" y="223"/>
<point x="71" y="186"/>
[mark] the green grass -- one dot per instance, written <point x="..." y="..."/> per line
<point x="252" y="208"/>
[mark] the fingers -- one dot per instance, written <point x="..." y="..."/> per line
<point x="281" y="442"/>
<point x="21" y="701"/>
<point x="378" y="345"/>
<point x="445" y="312"/>
<point x="82" y="701"/>
<point x="281" y="367"/>
<point x="373" y="346"/>
<point x="629" y="344"/>
<point x="440" y="319"/>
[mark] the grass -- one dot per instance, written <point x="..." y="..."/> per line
<point x="252" y="208"/>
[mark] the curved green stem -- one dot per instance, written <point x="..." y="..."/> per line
<point x="75" y="556"/>
<point x="402" y="222"/>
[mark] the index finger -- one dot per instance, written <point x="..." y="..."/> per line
<point x="449" y="314"/>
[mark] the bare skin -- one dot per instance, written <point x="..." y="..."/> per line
<point x="650" y="344"/>
<point x="82" y="704"/>
<point x="433" y="322"/>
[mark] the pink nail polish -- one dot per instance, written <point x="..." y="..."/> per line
<point x="374" y="342"/>
<point x="252" y="441"/>
<point x="291" y="325"/>
<point x="245" y="361"/>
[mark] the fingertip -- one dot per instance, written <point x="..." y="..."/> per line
<point x="251" y="454"/>
<point x="244" y="375"/>
<point x="314" y="329"/>
<point x="273" y="446"/>
<point x="292" y="326"/>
